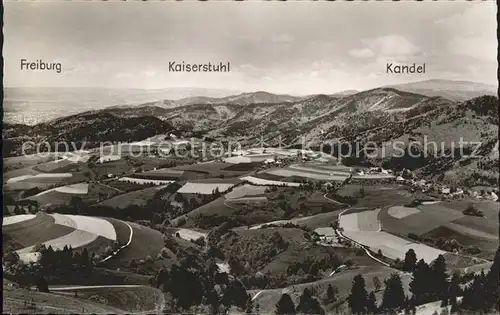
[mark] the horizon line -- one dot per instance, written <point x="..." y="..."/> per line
<point x="241" y="91"/>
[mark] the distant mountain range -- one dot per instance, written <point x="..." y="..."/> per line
<point x="453" y="90"/>
<point x="382" y="115"/>
<point x="35" y="105"/>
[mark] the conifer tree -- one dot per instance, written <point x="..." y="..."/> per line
<point x="410" y="260"/>
<point x="285" y="305"/>
<point x="420" y="284"/>
<point x="394" y="295"/>
<point x="358" y="299"/>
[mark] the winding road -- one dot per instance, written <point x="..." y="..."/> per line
<point x="124" y="246"/>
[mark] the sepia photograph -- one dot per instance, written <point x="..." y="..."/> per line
<point x="250" y="157"/>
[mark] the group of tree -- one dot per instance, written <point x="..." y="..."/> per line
<point x="307" y="304"/>
<point x="52" y="264"/>
<point x="202" y="284"/>
<point x="360" y="301"/>
<point x="473" y="211"/>
<point x="430" y="282"/>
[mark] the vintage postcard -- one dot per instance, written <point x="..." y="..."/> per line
<point x="250" y="157"/>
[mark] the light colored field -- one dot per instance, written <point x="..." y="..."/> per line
<point x="95" y="226"/>
<point x="245" y="190"/>
<point x="470" y="231"/>
<point x="373" y="176"/>
<point x="248" y="158"/>
<point x="325" y="231"/>
<point x="63" y="219"/>
<point x="109" y="158"/>
<point x="393" y="246"/>
<point x="27" y="258"/>
<point x="74" y="239"/>
<point x="145" y="181"/>
<point x="287" y="172"/>
<point x="17" y="218"/>
<point x="203" y="188"/>
<point x="479" y="267"/>
<point x="431" y="202"/>
<point x="76" y="189"/>
<point x="364" y="228"/>
<point x="79" y="189"/>
<point x="282" y="222"/>
<point x="38" y="176"/>
<point x="315" y="169"/>
<point x="250" y="199"/>
<point x="188" y="234"/>
<point x="400" y="212"/>
<point x="360" y="221"/>
<point x="266" y="182"/>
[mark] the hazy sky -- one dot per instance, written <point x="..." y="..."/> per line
<point x="284" y="47"/>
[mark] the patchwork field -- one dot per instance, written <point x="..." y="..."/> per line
<point x="425" y="219"/>
<point x="248" y="158"/>
<point x="444" y="220"/>
<point x="60" y="195"/>
<point x="23" y="161"/>
<point x="400" y="212"/>
<point x="245" y="190"/>
<point x="45" y="176"/>
<point x="214" y="169"/>
<point x="322" y="220"/>
<point x="204" y="188"/>
<point x="363" y="227"/>
<point x="266" y="182"/>
<point x="161" y="174"/>
<point x="136" y="197"/>
<point x="58" y="231"/>
<point x="306" y="174"/>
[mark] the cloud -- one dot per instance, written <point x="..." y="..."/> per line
<point x="392" y="45"/>
<point x="361" y="53"/>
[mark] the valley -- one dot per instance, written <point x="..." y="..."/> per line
<point x="223" y="196"/>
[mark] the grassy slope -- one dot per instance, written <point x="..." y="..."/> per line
<point x="343" y="281"/>
<point x="14" y="302"/>
<point x="34" y="231"/>
<point x="135" y="299"/>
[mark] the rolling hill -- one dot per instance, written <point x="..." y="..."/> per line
<point x="453" y="90"/>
